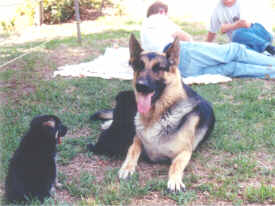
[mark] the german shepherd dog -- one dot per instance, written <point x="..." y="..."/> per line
<point x="171" y="118"/>
<point x="32" y="168"/>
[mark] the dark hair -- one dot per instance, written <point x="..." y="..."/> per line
<point x="156" y="7"/>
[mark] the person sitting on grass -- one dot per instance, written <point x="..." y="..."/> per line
<point x="198" y="58"/>
<point x="229" y="18"/>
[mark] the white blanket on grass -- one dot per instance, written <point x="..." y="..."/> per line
<point x="114" y="64"/>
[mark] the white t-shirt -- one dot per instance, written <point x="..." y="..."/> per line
<point x="242" y="10"/>
<point x="156" y="32"/>
<point x="224" y="15"/>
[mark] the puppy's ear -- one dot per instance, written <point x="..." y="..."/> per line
<point x="173" y="52"/>
<point x="135" y="49"/>
<point x="50" y="123"/>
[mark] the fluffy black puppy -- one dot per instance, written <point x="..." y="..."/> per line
<point x="32" y="169"/>
<point x="116" y="140"/>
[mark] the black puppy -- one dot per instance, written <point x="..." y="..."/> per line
<point x="116" y="140"/>
<point x="32" y="169"/>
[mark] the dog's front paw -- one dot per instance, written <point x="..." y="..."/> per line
<point x="175" y="185"/>
<point x="126" y="172"/>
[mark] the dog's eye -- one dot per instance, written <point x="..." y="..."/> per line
<point x="160" y="67"/>
<point x="156" y="68"/>
<point x="138" y="65"/>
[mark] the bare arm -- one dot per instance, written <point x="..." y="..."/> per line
<point x="183" y="36"/>
<point x="236" y="25"/>
<point x="211" y="36"/>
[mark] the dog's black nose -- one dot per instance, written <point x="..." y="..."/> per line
<point x="144" y="87"/>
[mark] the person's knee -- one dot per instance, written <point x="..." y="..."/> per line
<point x="264" y="34"/>
<point x="239" y="34"/>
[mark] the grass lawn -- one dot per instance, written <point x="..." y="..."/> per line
<point x="235" y="166"/>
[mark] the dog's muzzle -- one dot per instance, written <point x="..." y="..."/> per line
<point x="144" y="87"/>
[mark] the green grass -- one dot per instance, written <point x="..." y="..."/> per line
<point x="244" y="110"/>
<point x="262" y="194"/>
<point x="109" y="191"/>
<point x="82" y="186"/>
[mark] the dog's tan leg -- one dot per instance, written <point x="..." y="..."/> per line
<point x="129" y="164"/>
<point x="177" y="167"/>
<point x="181" y="160"/>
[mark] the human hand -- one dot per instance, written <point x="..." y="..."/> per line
<point x="243" y="24"/>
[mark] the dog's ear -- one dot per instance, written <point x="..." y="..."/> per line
<point x="172" y="53"/>
<point x="135" y="49"/>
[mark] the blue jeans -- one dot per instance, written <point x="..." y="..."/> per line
<point x="232" y="59"/>
<point x="256" y="37"/>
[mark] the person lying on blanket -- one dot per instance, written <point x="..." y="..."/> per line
<point x="198" y="58"/>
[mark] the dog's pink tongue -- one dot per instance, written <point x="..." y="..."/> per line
<point x="144" y="103"/>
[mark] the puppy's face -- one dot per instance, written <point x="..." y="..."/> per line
<point x="49" y="125"/>
<point x="152" y="72"/>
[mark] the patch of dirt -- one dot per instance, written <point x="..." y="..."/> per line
<point x="19" y="89"/>
<point x="64" y="55"/>
<point x="153" y="198"/>
<point x="265" y="160"/>
<point x="79" y="133"/>
<point x="64" y="196"/>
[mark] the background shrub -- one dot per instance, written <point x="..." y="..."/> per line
<point x="57" y="11"/>
<point x="60" y="11"/>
